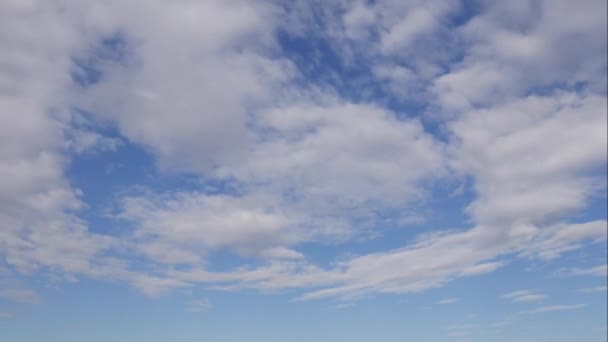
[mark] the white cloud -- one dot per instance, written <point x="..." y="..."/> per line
<point x="414" y="268"/>
<point x="531" y="158"/>
<point x="5" y="315"/>
<point x="553" y="308"/>
<point x="561" y="238"/>
<point x="182" y="227"/>
<point x="530" y="298"/>
<point x="460" y="330"/>
<point x="153" y="285"/>
<point x="594" y="289"/>
<point x="514" y="49"/>
<point x="516" y="294"/>
<point x="36" y="200"/>
<point x="599" y="271"/>
<point x="309" y="166"/>
<point x="193" y="94"/>
<point x="337" y="164"/>
<point x="525" y="296"/>
<point x="401" y="35"/>
<point x="499" y="324"/>
<point x="483" y="268"/>
<point x="449" y="301"/>
<point x="358" y="21"/>
<point x="199" y="305"/>
<point x="342" y="156"/>
<point x="20" y="295"/>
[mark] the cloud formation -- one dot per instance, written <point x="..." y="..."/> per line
<point x="304" y="155"/>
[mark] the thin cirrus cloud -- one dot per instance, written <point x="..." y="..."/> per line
<point x="594" y="289"/>
<point x="5" y="315"/>
<point x="199" y="305"/>
<point x="554" y="308"/>
<point x="301" y="161"/>
<point x="449" y="301"/>
<point x="20" y="295"/>
<point x="525" y="296"/>
<point x="595" y="271"/>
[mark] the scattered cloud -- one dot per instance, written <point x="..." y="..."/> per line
<point x="302" y="160"/>
<point x="341" y="306"/>
<point x="21" y="295"/>
<point x="449" y="301"/>
<point x="5" y="315"/>
<point x="598" y="271"/>
<point x="460" y="330"/>
<point x="525" y="296"/>
<point x="553" y="308"/>
<point x="199" y="305"/>
<point x="499" y="324"/>
<point x="594" y="289"/>
<point x="530" y="298"/>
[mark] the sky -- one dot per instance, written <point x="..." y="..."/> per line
<point x="304" y="170"/>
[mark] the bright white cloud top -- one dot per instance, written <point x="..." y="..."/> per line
<point x="331" y="150"/>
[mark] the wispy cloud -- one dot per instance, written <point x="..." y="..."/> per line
<point x="524" y="296"/>
<point x="599" y="271"/>
<point x="459" y="330"/>
<point x="21" y="295"/>
<point x="341" y="306"/>
<point x="499" y="324"/>
<point x="448" y="301"/>
<point x="552" y="308"/>
<point x="530" y="298"/>
<point x="5" y="315"/>
<point x="199" y="305"/>
<point x="594" y="289"/>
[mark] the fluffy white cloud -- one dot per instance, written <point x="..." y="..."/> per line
<point x="533" y="158"/>
<point x="342" y="155"/>
<point x="179" y="228"/>
<point x="521" y="46"/>
<point x="36" y="201"/>
<point x="205" y="87"/>
<point x="190" y="74"/>
<point x="318" y="170"/>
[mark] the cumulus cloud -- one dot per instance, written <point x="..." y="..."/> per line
<point x="193" y="92"/>
<point x="209" y="91"/>
<point x="37" y="202"/>
<point x="531" y="157"/>
<point x="179" y="228"/>
<point x="515" y="48"/>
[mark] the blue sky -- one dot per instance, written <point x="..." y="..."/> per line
<point x="303" y="170"/>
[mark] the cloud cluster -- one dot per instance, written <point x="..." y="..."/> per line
<point x="210" y="90"/>
<point x="37" y="203"/>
